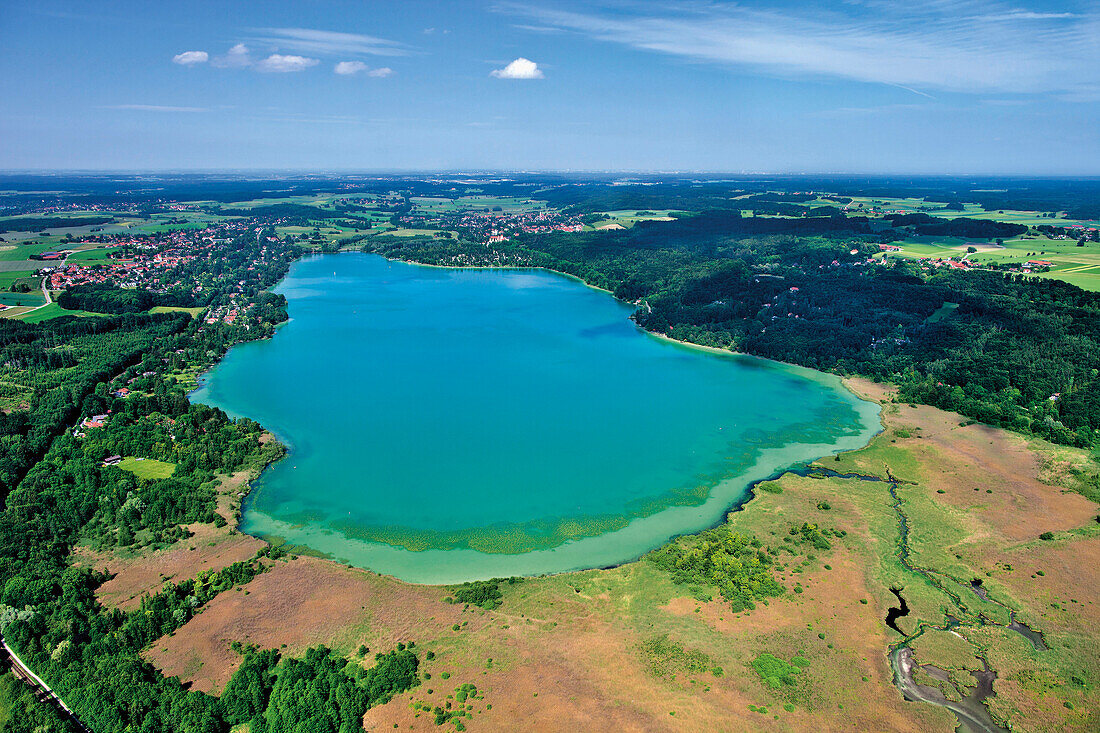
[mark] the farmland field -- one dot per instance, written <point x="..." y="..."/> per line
<point x="53" y="310"/>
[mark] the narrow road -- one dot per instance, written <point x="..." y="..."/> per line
<point x="41" y="690"/>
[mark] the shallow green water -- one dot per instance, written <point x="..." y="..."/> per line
<point x="446" y="425"/>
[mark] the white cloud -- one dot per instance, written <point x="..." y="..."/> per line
<point x="970" y="46"/>
<point x="190" y="58"/>
<point x="521" y="68"/>
<point x="237" y="57"/>
<point x="154" y="108"/>
<point x="347" y="68"/>
<point x="280" y="63"/>
<point x="329" y="43"/>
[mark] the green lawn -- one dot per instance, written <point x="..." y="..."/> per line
<point x="176" y="309"/>
<point x="147" y="468"/>
<point x="34" y="247"/>
<point x="90" y="255"/>
<point x="53" y="310"/>
<point x="944" y="311"/>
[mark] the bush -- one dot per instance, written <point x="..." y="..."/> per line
<point x="483" y="593"/>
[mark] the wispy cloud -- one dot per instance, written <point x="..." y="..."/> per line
<point x="190" y="58"/>
<point x="538" y="28"/>
<point x="863" y="111"/>
<point x="328" y="43"/>
<point x="1025" y="15"/>
<point x="380" y="73"/>
<point x="971" y="46"/>
<point x="521" y="68"/>
<point x="153" y="108"/>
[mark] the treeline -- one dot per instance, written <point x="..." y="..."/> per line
<point x="925" y="224"/>
<point x="1017" y="352"/>
<point x="320" y="693"/>
<point x="300" y="214"/>
<point x="104" y="298"/>
<point x="42" y="223"/>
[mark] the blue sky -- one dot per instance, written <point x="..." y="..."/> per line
<point x="845" y="86"/>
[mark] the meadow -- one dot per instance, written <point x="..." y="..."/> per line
<point x="147" y="468"/>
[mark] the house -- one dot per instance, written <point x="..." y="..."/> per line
<point x="95" y="421"/>
<point x="112" y="460"/>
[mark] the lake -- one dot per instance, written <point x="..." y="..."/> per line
<point x="455" y="424"/>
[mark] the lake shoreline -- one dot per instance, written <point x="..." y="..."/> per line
<point x="747" y="489"/>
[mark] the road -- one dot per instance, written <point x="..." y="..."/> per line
<point x="41" y="690"/>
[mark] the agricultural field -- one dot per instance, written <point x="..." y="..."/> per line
<point x="476" y="204"/>
<point x="970" y="210"/>
<point x="1077" y="265"/>
<point x="15" y="312"/>
<point x="403" y="232"/>
<point x="33" y="299"/>
<point x="96" y="255"/>
<point x="629" y="648"/>
<point x="624" y="219"/>
<point x="53" y="310"/>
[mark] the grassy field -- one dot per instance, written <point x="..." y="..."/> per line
<point x="16" y="277"/>
<point x="90" y="255"/>
<point x="14" y="312"/>
<point x="147" y="468"/>
<point x="35" y="247"/>
<point x="53" y="310"/>
<point x="33" y="298"/>
<point x="176" y="309"/>
<point x="628" y="218"/>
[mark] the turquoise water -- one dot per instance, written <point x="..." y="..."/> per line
<point x="447" y="425"/>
